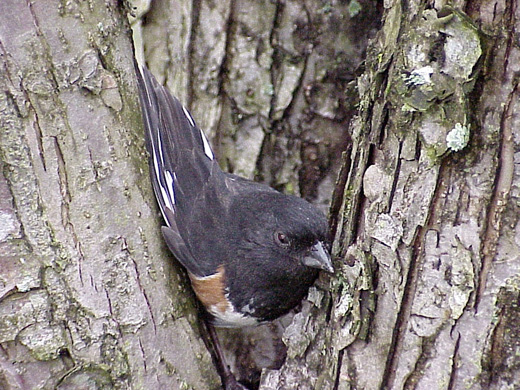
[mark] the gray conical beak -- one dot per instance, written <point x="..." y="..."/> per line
<point x="318" y="257"/>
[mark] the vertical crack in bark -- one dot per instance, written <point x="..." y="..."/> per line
<point x="454" y="364"/>
<point x="35" y="19"/>
<point x="275" y="60"/>
<point x="501" y="360"/>
<point x="410" y="287"/>
<point x="356" y="200"/>
<point x="39" y="142"/>
<point x="396" y="178"/>
<point x="195" y="21"/>
<point x="500" y="195"/>
<point x="288" y="111"/>
<point x="339" y="191"/>
<point x="138" y="278"/>
<point x="65" y="201"/>
<point x="143" y="354"/>
<point x="341" y="353"/>
<point x="497" y="343"/>
<point x="230" y="30"/>
<point x="223" y="74"/>
<point x="509" y="25"/>
<point x="113" y="315"/>
<point x="64" y="186"/>
<point x="420" y="364"/>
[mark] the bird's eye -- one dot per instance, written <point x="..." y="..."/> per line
<point x="282" y="239"/>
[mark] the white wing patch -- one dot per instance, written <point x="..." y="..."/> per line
<point x="167" y="194"/>
<point x="164" y="194"/>
<point x="207" y="148"/>
<point x="188" y="115"/>
<point x="166" y="198"/>
<point x="169" y="183"/>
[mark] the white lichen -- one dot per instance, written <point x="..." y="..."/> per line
<point x="420" y="76"/>
<point x="458" y="137"/>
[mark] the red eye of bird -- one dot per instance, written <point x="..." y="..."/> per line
<point x="282" y="239"/>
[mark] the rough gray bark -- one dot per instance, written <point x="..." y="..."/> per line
<point x="88" y="294"/>
<point x="427" y="294"/>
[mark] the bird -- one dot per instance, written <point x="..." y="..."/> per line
<point x="251" y="252"/>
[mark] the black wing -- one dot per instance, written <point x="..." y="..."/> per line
<point x="183" y="169"/>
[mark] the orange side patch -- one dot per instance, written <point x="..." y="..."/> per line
<point x="210" y="290"/>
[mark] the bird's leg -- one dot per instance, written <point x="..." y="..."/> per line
<point x="228" y="379"/>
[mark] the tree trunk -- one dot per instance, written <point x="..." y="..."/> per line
<point x="88" y="294"/>
<point x="427" y="291"/>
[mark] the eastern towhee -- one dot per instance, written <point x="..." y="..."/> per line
<point x="251" y="252"/>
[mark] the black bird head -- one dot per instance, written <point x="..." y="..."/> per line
<point x="284" y="239"/>
<point x="299" y="231"/>
<point x="286" y="226"/>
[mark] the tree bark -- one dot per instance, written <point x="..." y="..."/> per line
<point x="427" y="294"/>
<point x="88" y="294"/>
